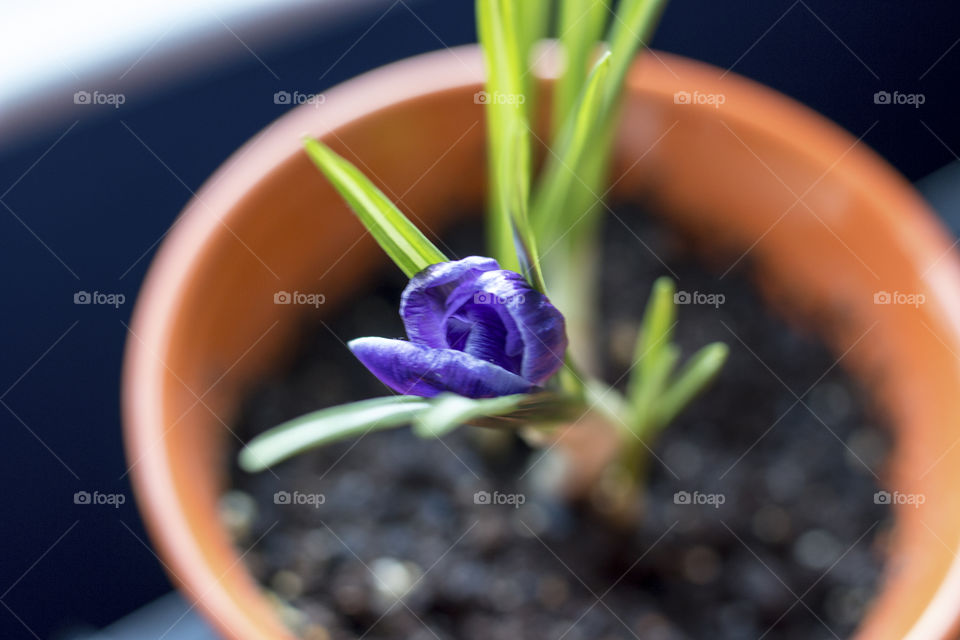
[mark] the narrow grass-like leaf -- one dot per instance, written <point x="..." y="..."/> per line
<point x="533" y="20"/>
<point x="656" y="396"/>
<point x="546" y="406"/>
<point x="690" y="381"/>
<point x="505" y="97"/>
<point x="449" y="410"/>
<point x="565" y="215"/>
<point x="655" y="357"/>
<point x="327" y="426"/>
<point x="580" y="28"/>
<point x="632" y="27"/>
<point x="552" y="200"/>
<point x="397" y="236"/>
<point x="646" y="392"/>
<point x="656" y="328"/>
<point x="533" y="24"/>
<point x="514" y="169"/>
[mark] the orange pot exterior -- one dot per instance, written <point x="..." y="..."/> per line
<point x="206" y="327"/>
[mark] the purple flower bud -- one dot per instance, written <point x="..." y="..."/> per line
<point x="474" y="328"/>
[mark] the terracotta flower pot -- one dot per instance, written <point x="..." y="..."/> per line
<point x="206" y="325"/>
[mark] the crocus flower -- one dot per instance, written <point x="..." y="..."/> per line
<point x="474" y="329"/>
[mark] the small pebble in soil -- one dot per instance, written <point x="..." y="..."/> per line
<point x="287" y="584"/>
<point x="392" y="578"/>
<point x="771" y="524"/>
<point x="780" y="491"/>
<point x="816" y="549"/>
<point x="238" y="512"/>
<point x="701" y="565"/>
<point x="552" y="591"/>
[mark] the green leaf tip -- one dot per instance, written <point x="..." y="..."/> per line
<point x="394" y="232"/>
<point x="326" y="426"/>
<point x="430" y="417"/>
<point x="580" y="27"/>
<point x="656" y="393"/>
<point x="692" y="380"/>
<point x="568" y="163"/>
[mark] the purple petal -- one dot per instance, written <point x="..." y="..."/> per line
<point x="414" y="369"/>
<point x="424" y="305"/>
<point x="494" y="315"/>
<point x="488" y="336"/>
<point x="535" y="328"/>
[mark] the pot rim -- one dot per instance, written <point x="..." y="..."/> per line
<point x="192" y="234"/>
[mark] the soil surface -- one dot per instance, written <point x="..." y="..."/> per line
<point x="760" y="519"/>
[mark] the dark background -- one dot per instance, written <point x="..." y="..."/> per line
<point x="81" y="218"/>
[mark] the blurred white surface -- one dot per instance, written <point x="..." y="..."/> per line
<point x="46" y="41"/>
<point x="50" y="49"/>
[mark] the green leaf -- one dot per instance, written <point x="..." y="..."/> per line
<point x="632" y="27"/>
<point x="327" y="426"/>
<point x="656" y="328"/>
<point x="533" y="20"/>
<point x="551" y="214"/>
<point x="431" y="418"/>
<point x="505" y="60"/>
<point x="514" y="168"/>
<point x="449" y="410"/>
<point x="546" y="406"/>
<point x="533" y="23"/>
<point x="396" y="235"/>
<point x="646" y="392"/>
<point x="655" y="357"/>
<point x="566" y="198"/>
<point x="580" y="27"/>
<point x="656" y="396"/>
<point x="692" y="379"/>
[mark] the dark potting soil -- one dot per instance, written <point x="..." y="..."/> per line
<point x="760" y="518"/>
